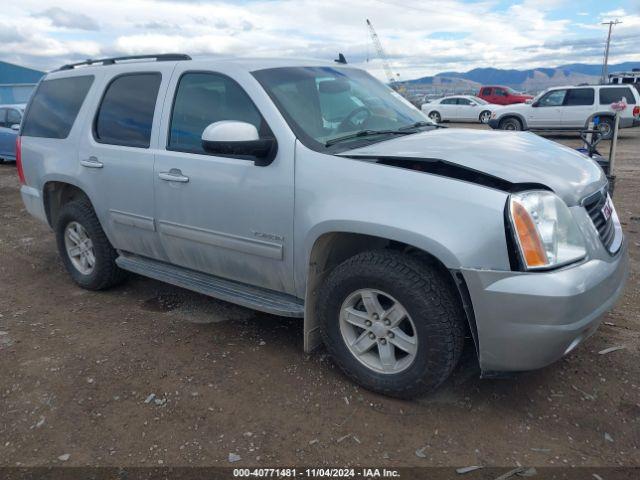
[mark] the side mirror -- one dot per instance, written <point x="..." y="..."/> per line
<point x="239" y="139"/>
<point x="15" y="126"/>
<point x="535" y="104"/>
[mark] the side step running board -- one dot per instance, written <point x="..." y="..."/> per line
<point x="235" y="292"/>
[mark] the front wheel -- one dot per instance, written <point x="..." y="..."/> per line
<point x="84" y="248"/>
<point x="435" y="116"/>
<point x="512" y="124"/>
<point x="392" y="323"/>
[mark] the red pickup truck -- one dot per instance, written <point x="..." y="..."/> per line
<point x="502" y="95"/>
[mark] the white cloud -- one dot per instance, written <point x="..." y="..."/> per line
<point x="479" y="34"/>
<point x="66" y="19"/>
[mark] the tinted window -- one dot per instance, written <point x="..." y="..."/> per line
<point x="610" y="95"/>
<point x="54" y="107"/>
<point x="486" y="91"/>
<point x="448" y="101"/>
<point x="553" y="99"/>
<point x="126" y="112"/>
<point x="501" y="92"/>
<point x="464" y="101"/>
<point x="579" y="96"/>
<point x="3" y="117"/>
<point x="202" y="99"/>
<point x="13" y="117"/>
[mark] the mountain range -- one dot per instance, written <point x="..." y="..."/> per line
<point x="526" y="80"/>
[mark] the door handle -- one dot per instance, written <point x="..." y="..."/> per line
<point x="91" y="162"/>
<point x="173" y="175"/>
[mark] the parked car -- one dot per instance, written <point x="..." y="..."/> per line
<point x="312" y="190"/>
<point x="626" y="78"/>
<point x="458" y="108"/>
<point x="501" y="95"/>
<point x="10" y="118"/>
<point x="571" y="108"/>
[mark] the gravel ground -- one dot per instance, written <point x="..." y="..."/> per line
<point x="148" y="374"/>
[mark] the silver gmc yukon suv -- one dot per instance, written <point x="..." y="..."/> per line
<point x="311" y="190"/>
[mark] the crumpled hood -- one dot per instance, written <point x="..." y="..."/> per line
<point x="517" y="157"/>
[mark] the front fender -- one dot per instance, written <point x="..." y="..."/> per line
<point x="458" y="222"/>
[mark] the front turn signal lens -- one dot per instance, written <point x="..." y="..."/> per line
<point x="528" y="238"/>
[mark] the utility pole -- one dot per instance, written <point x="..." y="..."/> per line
<point x="605" y="64"/>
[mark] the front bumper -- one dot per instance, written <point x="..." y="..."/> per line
<point x="526" y="320"/>
<point x="493" y="123"/>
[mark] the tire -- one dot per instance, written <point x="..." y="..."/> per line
<point x="511" y="124"/>
<point x="435" y="116"/>
<point x="435" y="320"/>
<point x="484" y="117"/>
<point x="78" y="215"/>
<point x="606" y="127"/>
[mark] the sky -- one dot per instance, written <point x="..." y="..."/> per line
<point x="420" y="37"/>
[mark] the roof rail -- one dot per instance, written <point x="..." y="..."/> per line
<point x="160" y="57"/>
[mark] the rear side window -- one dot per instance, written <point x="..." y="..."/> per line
<point x="55" y="106"/>
<point x="610" y="95"/>
<point x="3" y="117"/>
<point x="125" y="115"/>
<point x="486" y="91"/>
<point x="579" y="96"/>
<point x="205" y="98"/>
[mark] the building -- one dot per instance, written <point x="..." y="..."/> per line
<point x="17" y="83"/>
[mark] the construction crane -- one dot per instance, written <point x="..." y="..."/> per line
<point x="383" y="57"/>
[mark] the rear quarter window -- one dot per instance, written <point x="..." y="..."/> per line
<point x="610" y="95"/>
<point x="55" y="106"/>
<point x="125" y="116"/>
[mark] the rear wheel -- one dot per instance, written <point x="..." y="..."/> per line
<point x="511" y="123"/>
<point x="84" y="248"/>
<point x="606" y="127"/>
<point x="485" y="116"/>
<point x="391" y="322"/>
<point x="435" y="116"/>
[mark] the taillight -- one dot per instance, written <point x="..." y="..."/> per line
<point x="636" y="111"/>
<point x="19" y="160"/>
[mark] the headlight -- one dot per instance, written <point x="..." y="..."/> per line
<point x="545" y="231"/>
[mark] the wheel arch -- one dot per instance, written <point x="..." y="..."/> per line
<point x="598" y="114"/>
<point x="57" y="193"/>
<point x="332" y="248"/>
<point x="521" y="118"/>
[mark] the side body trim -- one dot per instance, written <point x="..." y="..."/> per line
<point x="251" y="246"/>
<point x="132" y="220"/>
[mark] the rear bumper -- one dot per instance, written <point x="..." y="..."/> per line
<point x="626" y="122"/>
<point x="32" y="199"/>
<point x="526" y="321"/>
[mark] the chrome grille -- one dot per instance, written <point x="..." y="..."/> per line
<point x="606" y="229"/>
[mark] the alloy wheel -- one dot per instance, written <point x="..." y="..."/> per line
<point x="378" y="331"/>
<point x="79" y="248"/>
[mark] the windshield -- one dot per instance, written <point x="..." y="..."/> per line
<point x="480" y="101"/>
<point x="324" y="103"/>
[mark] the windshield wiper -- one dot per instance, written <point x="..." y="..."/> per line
<point x="417" y="125"/>
<point x="365" y="133"/>
<point x="421" y="124"/>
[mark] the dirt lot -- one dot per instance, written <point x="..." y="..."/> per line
<point x="77" y="367"/>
